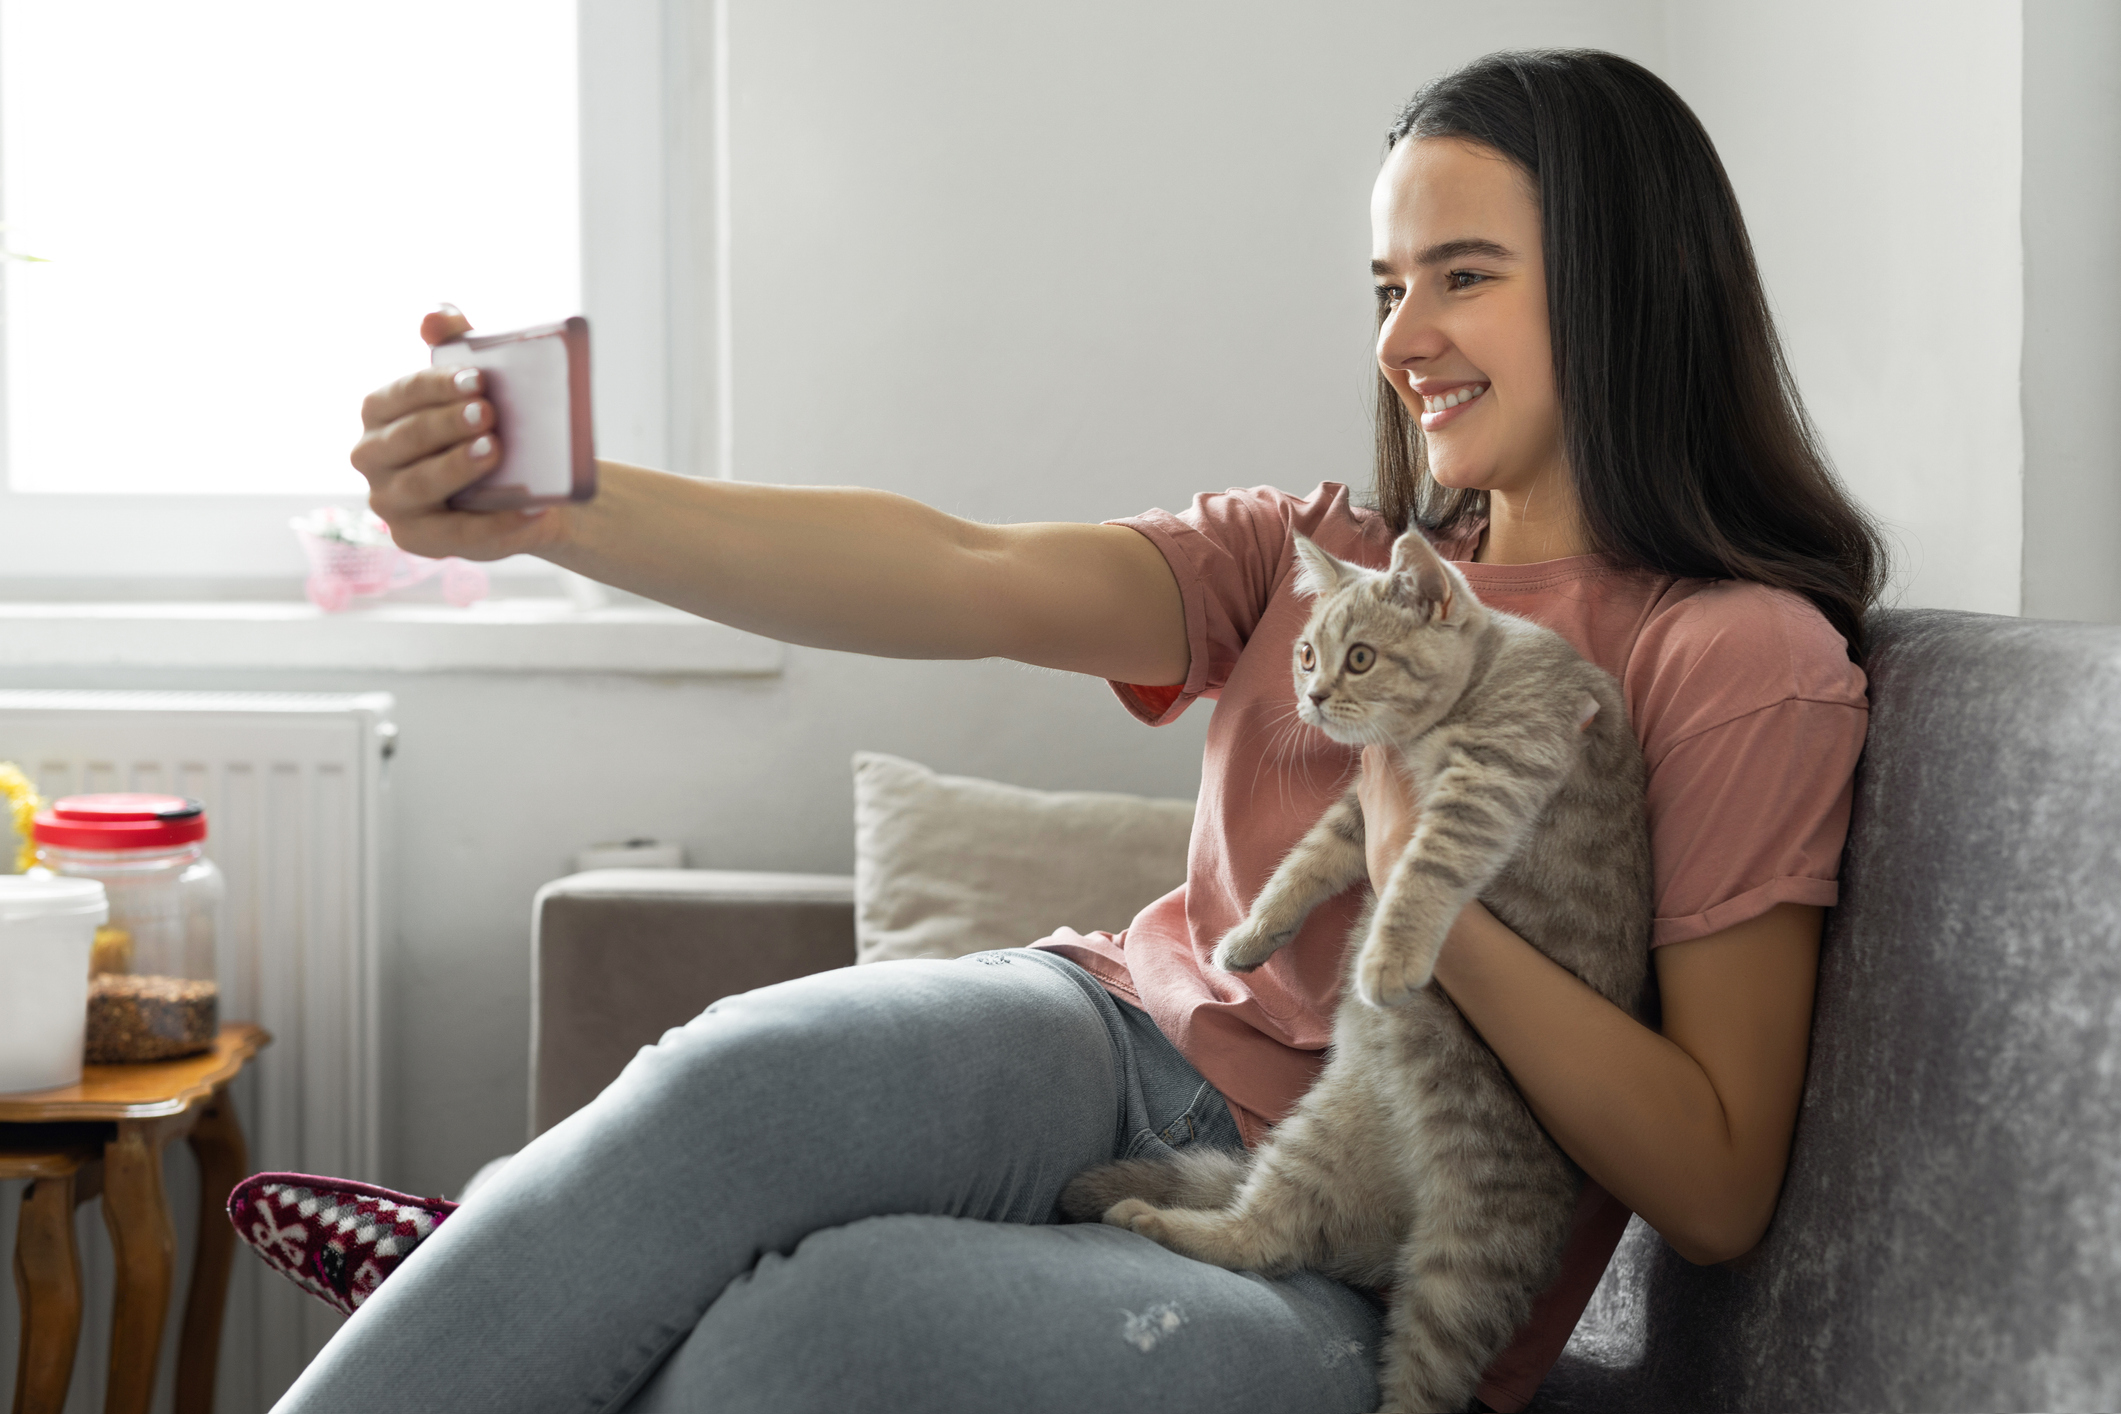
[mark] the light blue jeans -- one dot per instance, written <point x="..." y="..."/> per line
<point x="838" y="1194"/>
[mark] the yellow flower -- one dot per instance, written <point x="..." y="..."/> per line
<point x="23" y="801"/>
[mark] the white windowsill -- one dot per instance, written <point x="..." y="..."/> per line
<point x="525" y="635"/>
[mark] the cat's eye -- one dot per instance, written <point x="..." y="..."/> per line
<point x="1360" y="657"/>
<point x="1305" y="656"/>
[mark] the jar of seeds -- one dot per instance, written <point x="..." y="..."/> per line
<point x="152" y="992"/>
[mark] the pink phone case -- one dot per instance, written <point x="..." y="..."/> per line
<point x="538" y="383"/>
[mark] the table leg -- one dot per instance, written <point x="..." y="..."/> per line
<point x="224" y="1159"/>
<point x="48" y="1280"/>
<point x="145" y="1246"/>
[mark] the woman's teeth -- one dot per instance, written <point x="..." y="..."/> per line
<point x="1453" y="398"/>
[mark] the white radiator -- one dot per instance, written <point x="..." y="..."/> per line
<point x="293" y="786"/>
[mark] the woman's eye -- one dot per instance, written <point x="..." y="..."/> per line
<point x="1463" y="279"/>
<point x="1305" y="656"/>
<point x="1360" y="657"/>
<point x="1389" y="295"/>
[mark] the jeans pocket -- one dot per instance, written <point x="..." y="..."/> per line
<point x="1206" y="1120"/>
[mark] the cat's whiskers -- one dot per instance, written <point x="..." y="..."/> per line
<point x="1292" y="747"/>
<point x="1278" y="728"/>
<point x="1307" y="755"/>
<point x="1287" y="735"/>
<point x="1298" y="746"/>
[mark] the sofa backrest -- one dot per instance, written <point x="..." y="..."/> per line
<point x="1949" y="1235"/>
<point x="619" y="956"/>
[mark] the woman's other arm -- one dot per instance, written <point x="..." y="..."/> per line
<point x="865" y="571"/>
<point x="1690" y="1127"/>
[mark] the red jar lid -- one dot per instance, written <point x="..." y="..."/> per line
<point x="120" y="822"/>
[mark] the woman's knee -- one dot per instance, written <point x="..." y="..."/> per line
<point x="928" y="1027"/>
<point x="949" y="1315"/>
<point x="969" y="1088"/>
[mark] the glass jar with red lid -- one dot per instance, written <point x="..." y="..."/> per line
<point x="153" y="989"/>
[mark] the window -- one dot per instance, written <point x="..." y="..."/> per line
<point x="225" y="280"/>
<point x="242" y="210"/>
<point x="208" y="184"/>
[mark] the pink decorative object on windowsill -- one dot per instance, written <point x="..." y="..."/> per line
<point x="351" y="552"/>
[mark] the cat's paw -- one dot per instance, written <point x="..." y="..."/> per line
<point x="1137" y="1215"/>
<point x="1248" y="945"/>
<point x="1390" y="976"/>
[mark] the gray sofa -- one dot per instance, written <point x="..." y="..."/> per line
<point x="1949" y="1236"/>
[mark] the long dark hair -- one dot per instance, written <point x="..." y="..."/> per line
<point x="1689" y="446"/>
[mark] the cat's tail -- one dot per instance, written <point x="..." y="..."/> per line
<point x="1195" y="1178"/>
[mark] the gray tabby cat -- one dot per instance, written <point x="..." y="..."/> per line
<point x="1413" y="1163"/>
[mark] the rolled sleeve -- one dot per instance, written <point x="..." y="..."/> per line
<point x="1752" y="813"/>
<point x="1174" y="539"/>
<point x="1229" y="551"/>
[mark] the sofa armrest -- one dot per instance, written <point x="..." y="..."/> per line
<point x="619" y="956"/>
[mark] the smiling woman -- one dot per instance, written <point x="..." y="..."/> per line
<point x="1584" y="409"/>
<point x="1644" y="388"/>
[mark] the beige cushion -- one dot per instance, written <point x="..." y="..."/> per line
<point x="949" y="865"/>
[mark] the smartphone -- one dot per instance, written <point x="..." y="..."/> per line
<point x="537" y="381"/>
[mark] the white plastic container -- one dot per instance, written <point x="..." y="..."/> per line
<point x="47" y="926"/>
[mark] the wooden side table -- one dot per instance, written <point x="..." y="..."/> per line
<point x="106" y="1135"/>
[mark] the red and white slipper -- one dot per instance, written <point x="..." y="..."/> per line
<point x="334" y="1238"/>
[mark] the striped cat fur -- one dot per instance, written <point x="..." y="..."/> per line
<point x="1413" y="1164"/>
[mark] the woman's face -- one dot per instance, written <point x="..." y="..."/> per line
<point x="1455" y="239"/>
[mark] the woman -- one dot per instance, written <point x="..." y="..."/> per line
<point x="837" y="1193"/>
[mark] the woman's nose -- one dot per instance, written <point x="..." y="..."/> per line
<point x="1406" y="338"/>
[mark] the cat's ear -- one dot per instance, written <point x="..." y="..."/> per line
<point x="1316" y="571"/>
<point x="1419" y="579"/>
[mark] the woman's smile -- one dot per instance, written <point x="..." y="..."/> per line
<point x="1449" y="405"/>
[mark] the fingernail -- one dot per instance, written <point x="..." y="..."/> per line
<point x="483" y="447"/>
<point x="445" y="307"/>
<point x="474" y="414"/>
<point x="467" y="380"/>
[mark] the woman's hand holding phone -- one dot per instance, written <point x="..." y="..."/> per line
<point x="830" y="566"/>
<point x="426" y="437"/>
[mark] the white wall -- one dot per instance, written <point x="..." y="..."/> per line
<point x="1046" y="262"/>
<point x="2072" y="223"/>
<point x="1072" y="261"/>
<point x="1875" y="147"/>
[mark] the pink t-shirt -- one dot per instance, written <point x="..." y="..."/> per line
<point x="1750" y="715"/>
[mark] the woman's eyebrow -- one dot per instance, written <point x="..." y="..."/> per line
<point x="1460" y="249"/>
<point x="1478" y="246"/>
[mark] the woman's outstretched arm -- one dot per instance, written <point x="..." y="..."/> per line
<point x="872" y="572"/>
<point x="865" y="571"/>
<point x="1690" y="1127"/>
